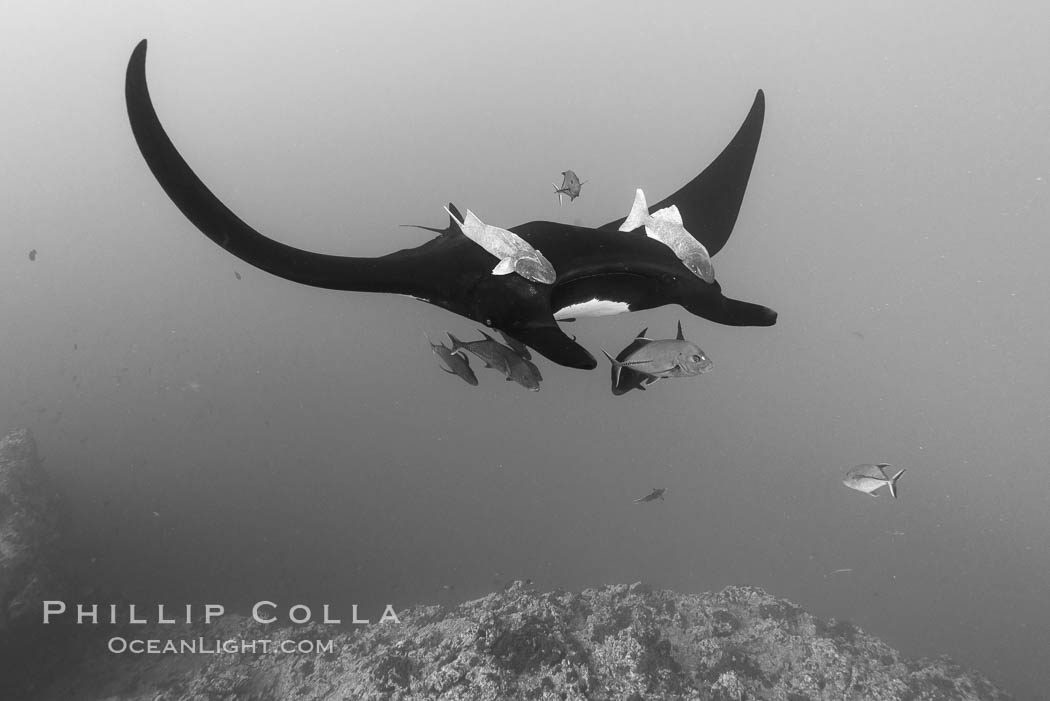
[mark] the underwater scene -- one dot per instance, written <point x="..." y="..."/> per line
<point x="525" y="350"/>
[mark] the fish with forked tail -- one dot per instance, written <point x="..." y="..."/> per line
<point x="570" y="185"/>
<point x="516" y="345"/>
<point x="454" y="363"/>
<point x="666" y="226"/>
<point x="870" y="478"/>
<point x="499" y="357"/>
<point x="659" y="359"/>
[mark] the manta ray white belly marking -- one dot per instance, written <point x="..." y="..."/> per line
<point x="592" y="307"/>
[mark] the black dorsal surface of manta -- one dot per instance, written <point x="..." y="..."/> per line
<point x="602" y="266"/>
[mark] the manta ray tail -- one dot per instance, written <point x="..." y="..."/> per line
<point x="893" y="483"/>
<point x="639" y="213"/>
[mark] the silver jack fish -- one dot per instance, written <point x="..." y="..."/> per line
<point x="499" y="357"/>
<point x="672" y="357"/>
<point x="516" y="255"/>
<point x="454" y="363"/>
<point x="870" y="478"/>
<point x="570" y="185"/>
<point x="666" y="226"/>
<point x="516" y="346"/>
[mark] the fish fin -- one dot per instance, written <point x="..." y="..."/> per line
<point x="882" y="469"/>
<point x="453" y="215"/>
<point x="651" y="380"/>
<point x="670" y="214"/>
<point x="617" y="367"/>
<point x="639" y="213"/>
<point x="504" y="267"/>
<point x="680" y="337"/>
<point x="487" y="337"/>
<point x="448" y="371"/>
<point x="893" y="483"/>
<point x="457" y="345"/>
<point x="641" y="334"/>
<point x="425" y="228"/>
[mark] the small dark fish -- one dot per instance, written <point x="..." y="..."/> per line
<point x="455" y="364"/>
<point x="516" y="346"/>
<point x="236" y="275"/>
<point x="32" y="255"/>
<point x="496" y="355"/>
<point x="651" y="496"/>
<point x="570" y="185"/>
<point x="492" y="353"/>
<point x="870" y="478"/>
<point x="525" y="373"/>
<point x="656" y="360"/>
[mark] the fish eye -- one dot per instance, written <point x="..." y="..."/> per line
<point x="695" y="358"/>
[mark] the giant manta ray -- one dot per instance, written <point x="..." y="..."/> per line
<point x="600" y="269"/>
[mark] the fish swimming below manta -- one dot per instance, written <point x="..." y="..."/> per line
<point x="599" y="270"/>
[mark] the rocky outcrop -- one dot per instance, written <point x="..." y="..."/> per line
<point x="32" y="526"/>
<point x="617" y="642"/>
<point x="33" y="521"/>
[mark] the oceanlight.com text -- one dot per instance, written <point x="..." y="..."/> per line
<point x="215" y="646"/>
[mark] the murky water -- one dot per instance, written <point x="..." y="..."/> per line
<point x="226" y="435"/>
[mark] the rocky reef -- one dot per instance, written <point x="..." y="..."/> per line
<point x="33" y="524"/>
<point x="616" y="642"/>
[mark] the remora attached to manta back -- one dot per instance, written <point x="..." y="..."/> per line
<point x="594" y="267"/>
<point x="515" y="254"/>
<point x="666" y="226"/>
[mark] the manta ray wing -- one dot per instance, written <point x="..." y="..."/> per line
<point x="710" y="202"/>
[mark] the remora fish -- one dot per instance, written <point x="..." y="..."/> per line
<point x="651" y="496"/>
<point x="455" y="364"/>
<point x="498" y="356"/>
<point x="666" y="226"/>
<point x="674" y="357"/>
<point x="516" y="255"/>
<point x="869" y="478"/>
<point x="570" y="185"/>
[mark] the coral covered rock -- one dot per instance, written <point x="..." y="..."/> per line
<point x="617" y="642"/>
